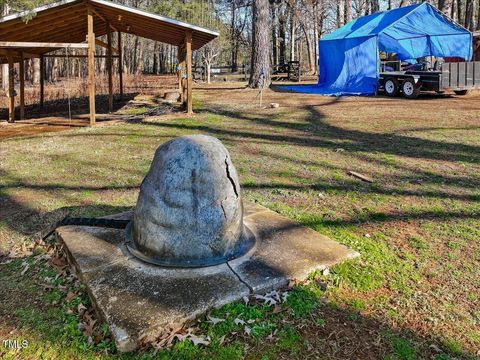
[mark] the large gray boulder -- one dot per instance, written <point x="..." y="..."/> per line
<point x="189" y="212"/>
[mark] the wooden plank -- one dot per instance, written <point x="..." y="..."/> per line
<point x="42" y="81"/>
<point x="22" y="88"/>
<point x="105" y="45"/>
<point x="188" y="46"/>
<point x="11" y="90"/>
<point x="120" y="63"/>
<point x="18" y="54"/>
<point x="109" y="69"/>
<point x="360" y="176"/>
<point x="91" y="64"/>
<point x="26" y="44"/>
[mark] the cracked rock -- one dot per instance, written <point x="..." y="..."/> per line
<point x="189" y="211"/>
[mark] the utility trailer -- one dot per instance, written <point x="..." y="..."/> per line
<point x="458" y="77"/>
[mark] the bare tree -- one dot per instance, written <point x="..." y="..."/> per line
<point x="260" y="63"/>
<point x="209" y="53"/>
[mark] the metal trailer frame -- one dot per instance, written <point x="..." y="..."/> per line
<point x="458" y="77"/>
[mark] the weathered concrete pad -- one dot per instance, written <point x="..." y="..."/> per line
<point x="139" y="299"/>
<point x="285" y="250"/>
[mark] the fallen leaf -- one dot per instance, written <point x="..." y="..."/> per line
<point x="199" y="340"/>
<point x="214" y="320"/>
<point x="25" y="269"/>
<point x="88" y="328"/>
<point x="238" y="321"/>
<point x="81" y="308"/>
<point x="247" y="330"/>
<point x="58" y="263"/>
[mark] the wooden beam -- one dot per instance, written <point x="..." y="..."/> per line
<point x="76" y="56"/>
<point x="105" y="45"/>
<point x="22" y="88"/>
<point x="11" y="90"/>
<point x="25" y="44"/>
<point x="188" y="46"/>
<point x="109" y="69"/>
<point x="42" y="81"/>
<point x="120" y="63"/>
<point x="104" y="20"/>
<point x="18" y="54"/>
<point x="91" y="64"/>
<point x="181" y="69"/>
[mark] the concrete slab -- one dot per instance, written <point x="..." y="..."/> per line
<point x="285" y="250"/>
<point x="138" y="299"/>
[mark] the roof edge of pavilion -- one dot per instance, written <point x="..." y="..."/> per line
<point x="167" y="19"/>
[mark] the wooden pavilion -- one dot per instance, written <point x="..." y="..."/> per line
<point x="75" y="24"/>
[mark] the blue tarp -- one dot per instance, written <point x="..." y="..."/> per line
<point x="349" y="57"/>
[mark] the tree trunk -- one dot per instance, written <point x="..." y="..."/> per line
<point x="340" y="15"/>
<point x="5" y="72"/>
<point x="282" y="32"/>
<point x="36" y="70"/>
<point x="445" y="6"/>
<point x="311" y="60"/>
<point x="260" y="63"/>
<point x="273" y="7"/>
<point x="293" y="25"/>
<point x="233" y="38"/>
<point x="348" y="11"/>
<point x="209" y="67"/>
<point x="404" y="3"/>
<point x="478" y="17"/>
<point x="469" y="15"/>
<point x="460" y="19"/>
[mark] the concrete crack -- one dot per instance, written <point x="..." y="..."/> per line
<point x="250" y="289"/>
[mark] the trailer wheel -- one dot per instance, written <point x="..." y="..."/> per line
<point x="410" y="89"/>
<point x="460" y="92"/>
<point x="392" y="88"/>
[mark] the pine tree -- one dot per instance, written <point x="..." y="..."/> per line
<point x="260" y="64"/>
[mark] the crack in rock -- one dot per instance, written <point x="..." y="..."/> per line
<point x="230" y="178"/>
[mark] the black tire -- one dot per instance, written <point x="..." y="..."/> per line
<point x="460" y="92"/>
<point x="410" y="90"/>
<point x="391" y="86"/>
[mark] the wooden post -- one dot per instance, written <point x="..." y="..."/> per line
<point x="109" y="68"/>
<point x="42" y="81"/>
<point x="11" y="90"/>
<point x="181" y="66"/>
<point x="188" y="46"/>
<point x="91" y="64"/>
<point x="22" y="87"/>
<point x="120" y="63"/>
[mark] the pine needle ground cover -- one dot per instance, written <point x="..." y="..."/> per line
<point x="413" y="294"/>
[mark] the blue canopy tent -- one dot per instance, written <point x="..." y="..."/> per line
<point x="349" y="57"/>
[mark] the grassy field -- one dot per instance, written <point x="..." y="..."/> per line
<point x="413" y="294"/>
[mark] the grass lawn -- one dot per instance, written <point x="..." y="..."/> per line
<point x="413" y="294"/>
